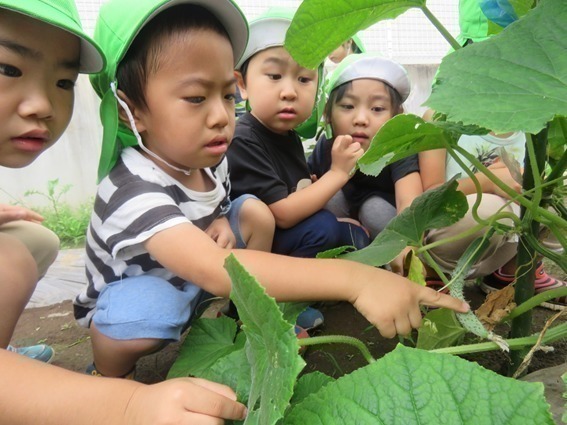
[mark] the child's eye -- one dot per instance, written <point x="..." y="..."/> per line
<point x="195" y="99"/>
<point x="274" y="76"/>
<point x="305" y="80"/>
<point x="10" y="71"/>
<point x="231" y="97"/>
<point x="66" y="84"/>
<point x="346" y="106"/>
<point x="378" y="109"/>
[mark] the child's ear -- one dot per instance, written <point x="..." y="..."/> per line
<point x="136" y="113"/>
<point x="241" y="85"/>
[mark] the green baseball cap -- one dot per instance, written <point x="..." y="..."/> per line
<point x="62" y="14"/>
<point x="118" y="24"/>
<point x="269" y="30"/>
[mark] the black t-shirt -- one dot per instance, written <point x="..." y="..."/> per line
<point x="361" y="186"/>
<point x="264" y="163"/>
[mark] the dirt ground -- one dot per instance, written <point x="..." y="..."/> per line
<point x="56" y="326"/>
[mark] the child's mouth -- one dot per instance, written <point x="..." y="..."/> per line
<point x="287" y="114"/>
<point x="217" y="146"/>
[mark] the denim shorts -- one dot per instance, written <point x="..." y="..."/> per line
<point x="150" y="307"/>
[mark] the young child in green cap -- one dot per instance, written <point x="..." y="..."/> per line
<point x="37" y="75"/>
<point x="150" y="256"/>
<point x="42" y="49"/>
<point x="364" y="92"/>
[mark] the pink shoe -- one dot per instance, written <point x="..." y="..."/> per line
<point x="543" y="282"/>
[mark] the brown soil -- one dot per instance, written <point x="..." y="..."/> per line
<point x="56" y="326"/>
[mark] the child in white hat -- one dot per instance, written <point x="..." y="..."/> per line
<point x="364" y="92"/>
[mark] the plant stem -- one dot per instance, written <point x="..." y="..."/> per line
<point x="535" y="301"/>
<point x="536" y="174"/>
<point x="437" y="24"/>
<point x="431" y="263"/>
<point x="525" y="277"/>
<point x="440" y="242"/>
<point x="538" y="211"/>
<point x="554" y="334"/>
<point x="339" y="339"/>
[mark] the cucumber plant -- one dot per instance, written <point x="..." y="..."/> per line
<point x="514" y="81"/>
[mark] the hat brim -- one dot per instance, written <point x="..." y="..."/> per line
<point x="264" y="34"/>
<point x="227" y="12"/>
<point x="91" y="57"/>
<point x="359" y="66"/>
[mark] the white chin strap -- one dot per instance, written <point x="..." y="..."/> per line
<point x="138" y="137"/>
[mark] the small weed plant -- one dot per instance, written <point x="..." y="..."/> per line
<point x="67" y="222"/>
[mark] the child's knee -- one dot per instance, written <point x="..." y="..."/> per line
<point x="257" y="216"/>
<point x="41" y="243"/>
<point x="17" y="261"/>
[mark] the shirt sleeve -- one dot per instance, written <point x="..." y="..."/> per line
<point x="318" y="162"/>
<point x="135" y="213"/>
<point x="403" y="167"/>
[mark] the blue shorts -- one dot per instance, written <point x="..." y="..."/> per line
<point x="150" y="307"/>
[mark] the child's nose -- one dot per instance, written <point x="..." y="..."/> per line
<point x="220" y="114"/>
<point x="37" y="103"/>
<point x="288" y="91"/>
<point x="361" y="118"/>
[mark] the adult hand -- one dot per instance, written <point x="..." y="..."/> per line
<point x="183" y="401"/>
<point x="10" y="213"/>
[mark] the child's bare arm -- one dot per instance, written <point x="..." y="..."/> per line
<point x="432" y="168"/>
<point x="306" y="202"/>
<point x="407" y="189"/>
<point x="32" y="391"/>
<point x="388" y="301"/>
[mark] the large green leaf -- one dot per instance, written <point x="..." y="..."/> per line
<point x="439" y="329"/>
<point x="290" y="311"/>
<point x="232" y="370"/>
<point x="320" y="26"/>
<point x="208" y="341"/>
<point x="400" y="137"/>
<point x="521" y="6"/>
<point x="514" y="81"/>
<point x="309" y="384"/>
<point x="271" y="347"/>
<point x="410" y="386"/>
<point x="434" y="209"/>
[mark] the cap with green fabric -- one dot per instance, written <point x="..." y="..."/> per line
<point x="358" y="43"/>
<point x="364" y="65"/>
<point x="116" y="30"/>
<point x="473" y="24"/>
<point x="62" y="14"/>
<point x="269" y="30"/>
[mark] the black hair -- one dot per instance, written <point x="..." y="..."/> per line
<point x="339" y="92"/>
<point x="244" y="69"/>
<point x="143" y="56"/>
